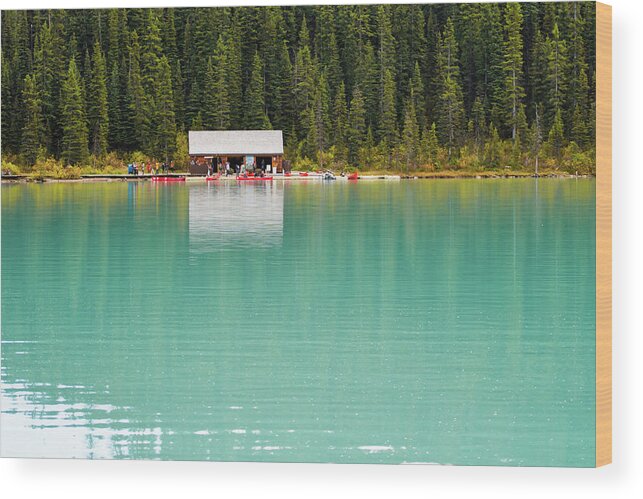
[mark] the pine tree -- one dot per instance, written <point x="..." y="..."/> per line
<point x="197" y="122"/>
<point x="581" y="116"/>
<point x="512" y="66"/>
<point x="97" y="105"/>
<point x="388" y="120"/>
<point x="450" y="107"/>
<point x="433" y="147"/>
<point x="357" y="125"/>
<point x="234" y="76"/>
<point x="535" y="139"/>
<point x="114" y="98"/>
<point x="33" y="131"/>
<point x="181" y="155"/>
<point x="367" y="77"/>
<point x="416" y="93"/>
<point x="410" y="137"/>
<point x="74" y="124"/>
<point x="556" y="137"/>
<point x="537" y="81"/>
<point x="49" y="70"/>
<point x="333" y="66"/>
<point x="386" y="49"/>
<point x="319" y="136"/>
<point x="340" y="121"/>
<point x="304" y="77"/>
<point x="277" y="68"/>
<point x="577" y="102"/>
<point x="137" y="99"/>
<point x="255" y="116"/>
<point x="113" y="37"/>
<point x="216" y="113"/>
<point x="164" y="118"/>
<point x="479" y="122"/>
<point x="492" y="147"/>
<point x="490" y="76"/>
<point x="557" y="66"/>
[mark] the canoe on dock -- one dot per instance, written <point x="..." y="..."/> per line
<point x="160" y="178"/>
<point x="256" y="179"/>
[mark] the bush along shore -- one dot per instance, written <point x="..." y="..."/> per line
<point x="51" y="169"/>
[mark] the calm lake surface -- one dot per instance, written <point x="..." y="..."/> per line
<point x="447" y="321"/>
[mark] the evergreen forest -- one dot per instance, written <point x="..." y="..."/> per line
<point x="378" y="87"/>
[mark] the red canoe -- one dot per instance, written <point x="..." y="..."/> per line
<point x="216" y="177"/>
<point x="168" y="179"/>
<point x="259" y="179"/>
<point x="303" y="174"/>
<point x="353" y="176"/>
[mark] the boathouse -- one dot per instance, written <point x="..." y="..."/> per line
<point x="242" y="149"/>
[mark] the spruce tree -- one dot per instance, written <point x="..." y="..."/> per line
<point x="557" y="66"/>
<point x="490" y="76"/>
<point x="535" y="139"/>
<point x="340" y="121"/>
<point x="137" y="99"/>
<point x="416" y="93"/>
<point x="410" y="137"/>
<point x="114" y="98"/>
<point x="33" y="131"/>
<point x="255" y="116"/>
<point x="321" y="116"/>
<point x="303" y="87"/>
<point x="164" y="118"/>
<point x="98" y="105"/>
<point x="234" y="76"/>
<point x="74" y="124"/>
<point x="433" y="147"/>
<point x="357" y="125"/>
<point x="577" y="102"/>
<point x="556" y="139"/>
<point x="367" y="77"/>
<point x="512" y="66"/>
<point x="388" y="119"/>
<point x="49" y="71"/>
<point x="450" y="107"/>
<point x="479" y="122"/>
<point x="582" y="115"/>
<point x="216" y="112"/>
<point x="386" y="48"/>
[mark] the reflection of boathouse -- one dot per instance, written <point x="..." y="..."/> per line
<point x="236" y="217"/>
<point x="253" y="148"/>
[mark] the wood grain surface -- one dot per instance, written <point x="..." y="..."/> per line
<point x="603" y="234"/>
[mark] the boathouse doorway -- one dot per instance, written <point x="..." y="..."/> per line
<point x="235" y="163"/>
<point x="264" y="163"/>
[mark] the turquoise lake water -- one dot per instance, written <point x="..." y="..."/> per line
<point x="447" y="321"/>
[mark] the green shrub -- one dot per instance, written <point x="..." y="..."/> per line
<point x="10" y="169"/>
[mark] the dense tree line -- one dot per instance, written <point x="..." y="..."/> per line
<point x="402" y="86"/>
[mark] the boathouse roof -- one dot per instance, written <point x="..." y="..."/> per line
<point x="235" y="142"/>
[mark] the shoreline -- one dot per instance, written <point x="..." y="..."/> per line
<point x="438" y="175"/>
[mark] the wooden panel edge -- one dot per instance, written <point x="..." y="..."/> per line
<point x="603" y="234"/>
